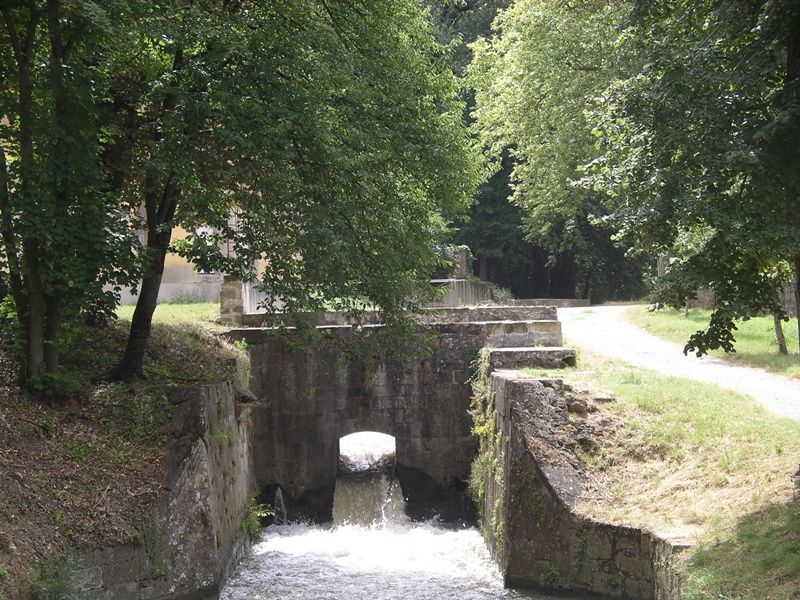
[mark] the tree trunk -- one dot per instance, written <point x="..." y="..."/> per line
<point x="797" y="293"/>
<point x="779" y="335"/>
<point x="31" y="310"/>
<point x="132" y="362"/>
<point x="159" y="232"/>
<point x="35" y="319"/>
<point x="51" y="331"/>
<point x="58" y="63"/>
<point x="792" y="74"/>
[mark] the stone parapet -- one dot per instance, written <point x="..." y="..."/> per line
<point x="464" y="314"/>
<point x="556" y="357"/>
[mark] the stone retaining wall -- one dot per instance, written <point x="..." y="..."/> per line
<point x="195" y="536"/>
<point x="529" y="518"/>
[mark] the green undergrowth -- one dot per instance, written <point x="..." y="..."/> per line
<point x="256" y="513"/>
<point x="53" y="578"/>
<point x="696" y="462"/>
<point x="756" y="344"/>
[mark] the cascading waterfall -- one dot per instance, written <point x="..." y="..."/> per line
<point x="371" y="551"/>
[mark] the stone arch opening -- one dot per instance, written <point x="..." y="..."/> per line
<point x="365" y="452"/>
<point x="367" y="491"/>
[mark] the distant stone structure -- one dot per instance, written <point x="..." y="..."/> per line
<point x="181" y="281"/>
<point x="707" y="299"/>
<point x="240" y="302"/>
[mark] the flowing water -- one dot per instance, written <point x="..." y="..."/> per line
<point x="371" y="551"/>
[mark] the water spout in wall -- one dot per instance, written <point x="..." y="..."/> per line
<point x="280" y="507"/>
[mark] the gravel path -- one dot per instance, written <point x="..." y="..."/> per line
<point x="604" y="329"/>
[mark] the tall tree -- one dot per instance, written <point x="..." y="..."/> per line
<point x="703" y="141"/>
<point x="332" y="130"/>
<point x="63" y="235"/>
<point x="534" y="79"/>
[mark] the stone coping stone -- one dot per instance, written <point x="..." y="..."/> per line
<point x="553" y="357"/>
<point x="446" y="327"/>
<point x="433" y="314"/>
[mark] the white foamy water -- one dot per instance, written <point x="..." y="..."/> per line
<point x="371" y="551"/>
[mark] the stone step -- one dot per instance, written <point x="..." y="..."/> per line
<point x="556" y="357"/>
<point x="489" y="313"/>
<point x="507" y="334"/>
<point x="523" y="334"/>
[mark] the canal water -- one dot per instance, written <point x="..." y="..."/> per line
<point x="371" y="551"/>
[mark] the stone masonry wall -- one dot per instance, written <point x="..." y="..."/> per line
<point x="529" y="521"/>
<point x="310" y="397"/>
<point x="196" y="535"/>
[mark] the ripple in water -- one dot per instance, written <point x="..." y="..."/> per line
<point x="372" y="551"/>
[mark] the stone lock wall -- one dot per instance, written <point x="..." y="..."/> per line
<point x="310" y="397"/>
<point x="528" y="516"/>
<point x="196" y="535"/>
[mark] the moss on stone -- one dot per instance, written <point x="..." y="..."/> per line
<point x="551" y="578"/>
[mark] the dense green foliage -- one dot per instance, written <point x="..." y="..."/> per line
<point x="669" y="127"/>
<point x="64" y="233"/>
<point x="534" y="79"/>
<point x="325" y="139"/>
<point x="700" y="157"/>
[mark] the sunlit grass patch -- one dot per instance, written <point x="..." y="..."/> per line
<point x="178" y="312"/>
<point x="759" y="558"/>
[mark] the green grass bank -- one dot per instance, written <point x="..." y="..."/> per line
<point x="696" y="462"/>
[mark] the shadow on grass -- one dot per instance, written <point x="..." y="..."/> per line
<point x="756" y="344"/>
<point x="788" y="365"/>
<point x="759" y="558"/>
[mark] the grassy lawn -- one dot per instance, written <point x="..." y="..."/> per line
<point x="755" y="339"/>
<point x="177" y="312"/>
<point x="696" y="462"/>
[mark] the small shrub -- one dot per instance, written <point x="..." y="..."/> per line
<point x="500" y="294"/>
<point x="139" y="414"/>
<point x="551" y="578"/>
<point x="60" y="518"/>
<point x="77" y="451"/>
<point x="10" y="339"/>
<point x="53" y="578"/>
<point x="114" y="453"/>
<point x="3" y="572"/>
<point x="252" y="522"/>
<point x="220" y="438"/>
<point x="48" y="429"/>
<point x="185" y="299"/>
<point x="57" y="384"/>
